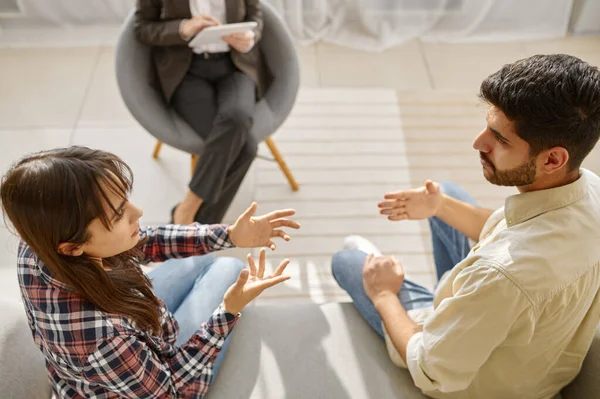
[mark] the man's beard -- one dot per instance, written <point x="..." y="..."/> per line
<point x="520" y="176"/>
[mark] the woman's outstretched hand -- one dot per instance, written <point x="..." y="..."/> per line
<point x="251" y="283"/>
<point x="251" y="232"/>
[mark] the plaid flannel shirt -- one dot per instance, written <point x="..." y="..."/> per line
<point x="90" y="353"/>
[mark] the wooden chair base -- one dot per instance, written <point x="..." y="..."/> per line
<point x="272" y="147"/>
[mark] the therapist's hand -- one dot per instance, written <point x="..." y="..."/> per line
<point x="190" y="27"/>
<point x="242" y="41"/>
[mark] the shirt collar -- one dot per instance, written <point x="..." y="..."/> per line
<point x="521" y="207"/>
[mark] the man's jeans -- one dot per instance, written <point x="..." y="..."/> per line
<point x="193" y="288"/>
<point x="449" y="248"/>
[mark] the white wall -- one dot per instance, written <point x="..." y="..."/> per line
<point x="585" y="18"/>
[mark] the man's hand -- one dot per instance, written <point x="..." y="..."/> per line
<point x="242" y="41"/>
<point x="194" y="25"/>
<point x="251" y="283"/>
<point x="251" y="232"/>
<point x="382" y="276"/>
<point x="416" y="204"/>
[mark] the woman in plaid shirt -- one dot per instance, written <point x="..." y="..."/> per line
<point x="107" y="330"/>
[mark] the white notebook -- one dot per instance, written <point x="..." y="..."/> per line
<point x="213" y="34"/>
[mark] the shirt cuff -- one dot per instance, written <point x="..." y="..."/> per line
<point x="414" y="351"/>
<point x="220" y="237"/>
<point x="222" y="322"/>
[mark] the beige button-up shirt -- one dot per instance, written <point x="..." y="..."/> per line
<point x="517" y="316"/>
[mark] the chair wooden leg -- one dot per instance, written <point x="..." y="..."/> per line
<point x="157" y="148"/>
<point x="194" y="162"/>
<point x="284" y="168"/>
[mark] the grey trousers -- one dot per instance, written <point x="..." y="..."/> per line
<point x="218" y="102"/>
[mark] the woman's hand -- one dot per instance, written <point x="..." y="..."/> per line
<point x="252" y="232"/>
<point x="242" y="41"/>
<point x="251" y="283"/>
<point x="192" y="26"/>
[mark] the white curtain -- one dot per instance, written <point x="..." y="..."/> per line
<point x="380" y="24"/>
<point x="372" y="25"/>
<point x="68" y="13"/>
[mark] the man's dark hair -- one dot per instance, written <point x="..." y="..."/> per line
<point x="553" y="100"/>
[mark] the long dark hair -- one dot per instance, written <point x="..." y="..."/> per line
<point x="51" y="197"/>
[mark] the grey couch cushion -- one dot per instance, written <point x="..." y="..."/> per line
<point x="308" y="351"/>
<point x="22" y="371"/>
<point x="302" y="351"/>
<point x="587" y="383"/>
<point x="329" y="351"/>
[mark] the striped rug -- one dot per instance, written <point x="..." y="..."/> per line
<point x="347" y="147"/>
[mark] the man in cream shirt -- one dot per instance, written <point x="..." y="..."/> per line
<point x="513" y="316"/>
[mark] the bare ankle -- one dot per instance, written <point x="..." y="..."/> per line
<point x="187" y="209"/>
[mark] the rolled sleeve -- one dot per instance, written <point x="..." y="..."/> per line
<point x="414" y="351"/>
<point x="464" y="330"/>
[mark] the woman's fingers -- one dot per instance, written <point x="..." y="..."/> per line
<point x="261" y="263"/>
<point x="252" y="265"/>
<point x="285" y="223"/>
<point x="280" y="269"/>
<point x="281" y="234"/>
<point x="267" y="283"/>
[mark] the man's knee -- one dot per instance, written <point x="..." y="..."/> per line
<point x="343" y="265"/>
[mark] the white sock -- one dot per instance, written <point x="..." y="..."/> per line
<point x="362" y="244"/>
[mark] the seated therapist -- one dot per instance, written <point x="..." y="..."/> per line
<point x="213" y="87"/>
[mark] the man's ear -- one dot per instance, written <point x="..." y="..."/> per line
<point x="70" y="249"/>
<point x="556" y="158"/>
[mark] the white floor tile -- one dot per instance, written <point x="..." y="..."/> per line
<point x="9" y="283"/>
<point x="345" y="95"/>
<point x="320" y="134"/>
<point x="464" y="66"/>
<point x="330" y="192"/>
<point x="15" y="143"/>
<point x="8" y="248"/>
<point x="60" y="37"/>
<point x="103" y="106"/>
<point x="44" y="87"/>
<point x="584" y="47"/>
<point x="309" y="75"/>
<point x="401" y="67"/>
<point x="245" y="195"/>
<point x="355" y="176"/>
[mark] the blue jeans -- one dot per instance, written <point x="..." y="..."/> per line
<point x="449" y="248"/>
<point x="193" y="288"/>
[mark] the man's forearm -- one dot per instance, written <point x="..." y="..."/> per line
<point x="398" y="324"/>
<point x="464" y="217"/>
